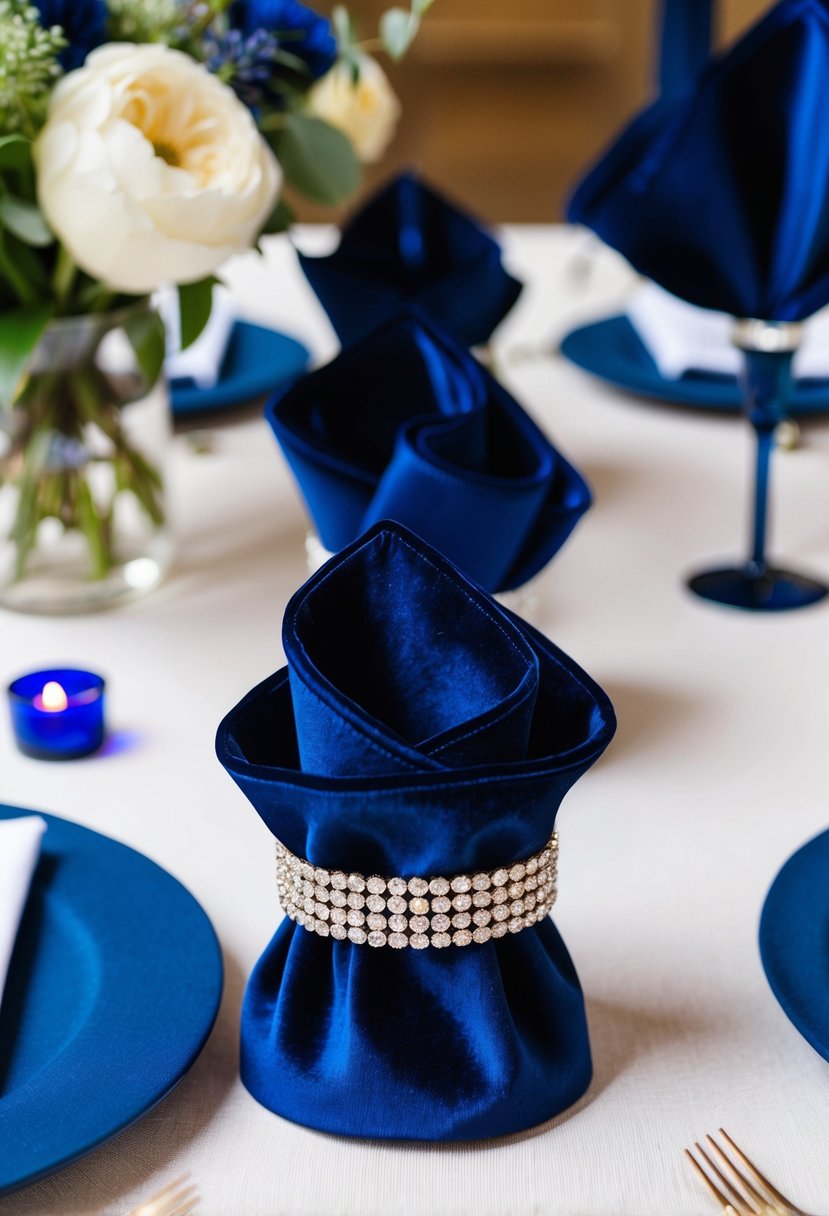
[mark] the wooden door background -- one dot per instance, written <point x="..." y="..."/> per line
<point x="507" y="101"/>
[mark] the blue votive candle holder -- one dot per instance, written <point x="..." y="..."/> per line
<point x="58" y="714"/>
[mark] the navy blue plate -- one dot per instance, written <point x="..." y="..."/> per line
<point x="113" y="988"/>
<point x="256" y="362"/>
<point x="613" y="351"/>
<point x="794" y="941"/>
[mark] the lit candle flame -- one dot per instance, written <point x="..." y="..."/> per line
<point x="53" y="699"/>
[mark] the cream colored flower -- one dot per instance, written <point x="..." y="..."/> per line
<point x="150" y="170"/>
<point x="367" y="112"/>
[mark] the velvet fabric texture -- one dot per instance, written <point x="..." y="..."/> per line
<point x="410" y="245"/>
<point x="408" y="425"/>
<point x="722" y="196"/>
<point x="418" y="729"/>
<point x="685" y="44"/>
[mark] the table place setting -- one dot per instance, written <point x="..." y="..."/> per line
<point x="283" y="933"/>
<point x="719" y="177"/>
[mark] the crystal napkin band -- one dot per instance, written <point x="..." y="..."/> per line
<point x="418" y="912"/>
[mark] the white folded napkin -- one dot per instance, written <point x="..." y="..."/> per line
<point x="19" y="849"/>
<point x="681" y="337"/>
<point x="202" y="361"/>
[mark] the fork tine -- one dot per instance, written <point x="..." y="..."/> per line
<point x="739" y="1200"/>
<point x="715" y="1191"/>
<point x="755" y="1173"/>
<point x="722" y="1200"/>
<point x="744" y="1182"/>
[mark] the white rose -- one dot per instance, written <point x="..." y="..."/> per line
<point x="150" y="170"/>
<point x="367" y="112"/>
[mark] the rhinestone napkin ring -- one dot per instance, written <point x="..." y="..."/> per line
<point x="418" y="912"/>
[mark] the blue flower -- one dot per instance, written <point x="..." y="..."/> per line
<point x="249" y="65"/>
<point x="84" y="24"/>
<point x="300" y="30"/>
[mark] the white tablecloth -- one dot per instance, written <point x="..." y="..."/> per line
<point x="717" y="774"/>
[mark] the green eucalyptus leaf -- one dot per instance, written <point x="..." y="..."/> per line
<point x="280" y="219"/>
<point x="397" y="29"/>
<point x="317" y="159"/>
<point x="419" y="7"/>
<point x="25" y="220"/>
<point x="20" y="332"/>
<point x="145" y="330"/>
<point x="195" y="301"/>
<point x="15" y="152"/>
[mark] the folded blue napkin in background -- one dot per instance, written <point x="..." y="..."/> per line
<point x="721" y="197"/>
<point x="418" y="729"/>
<point x="408" y="244"/>
<point x="685" y="37"/>
<point x="407" y="425"/>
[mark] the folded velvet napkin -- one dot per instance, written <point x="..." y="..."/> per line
<point x="410" y="761"/>
<point x="410" y="245"/>
<point x="682" y="338"/>
<point x="721" y="196"/>
<point x="19" y="851"/>
<point x="407" y="425"/>
<point x="685" y="37"/>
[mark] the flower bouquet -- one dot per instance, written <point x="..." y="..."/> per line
<point x="142" y="144"/>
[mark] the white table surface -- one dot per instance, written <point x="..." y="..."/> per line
<point x="717" y="774"/>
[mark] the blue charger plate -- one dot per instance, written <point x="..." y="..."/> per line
<point x="257" y="361"/>
<point x="113" y="988"/>
<point x="794" y="941"/>
<point x="612" y="350"/>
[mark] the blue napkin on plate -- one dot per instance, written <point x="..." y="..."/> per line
<point x="407" y="425"/>
<point x="721" y="197"/>
<point x="418" y="729"/>
<point x="410" y="245"/>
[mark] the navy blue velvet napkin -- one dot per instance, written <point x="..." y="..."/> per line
<point x="410" y="245"/>
<point x="685" y="38"/>
<point x="418" y="729"/>
<point x="721" y="197"/>
<point x="407" y="425"/>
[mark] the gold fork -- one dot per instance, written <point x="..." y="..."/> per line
<point x="178" y="1198"/>
<point x="756" y="1196"/>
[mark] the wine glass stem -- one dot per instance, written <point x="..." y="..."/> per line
<point x="765" y="446"/>
<point x="767" y="379"/>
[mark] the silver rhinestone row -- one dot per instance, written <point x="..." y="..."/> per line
<point x="418" y="912"/>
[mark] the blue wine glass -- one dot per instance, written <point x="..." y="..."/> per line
<point x="757" y="585"/>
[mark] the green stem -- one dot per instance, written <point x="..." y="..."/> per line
<point x="63" y="276"/>
<point x="64" y="405"/>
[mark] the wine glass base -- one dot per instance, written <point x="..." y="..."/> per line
<point x="756" y="589"/>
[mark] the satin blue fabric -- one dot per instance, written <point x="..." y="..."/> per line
<point x="684" y="44"/>
<point x="418" y="728"/>
<point x="410" y="245"/>
<point x="721" y="197"/>
<point x="407" y="425"/>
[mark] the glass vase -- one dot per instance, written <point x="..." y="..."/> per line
<point x="83" y="514"/>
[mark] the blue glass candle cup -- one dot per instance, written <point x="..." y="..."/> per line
<point x="58" y="714"/>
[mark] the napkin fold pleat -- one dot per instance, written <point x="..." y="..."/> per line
<point x="19" y="851"/>
<point x="477" y="683"/>
<point x="419" y="728"/>
<point x="407" y="425"/>
<point x="410" y="245"/>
